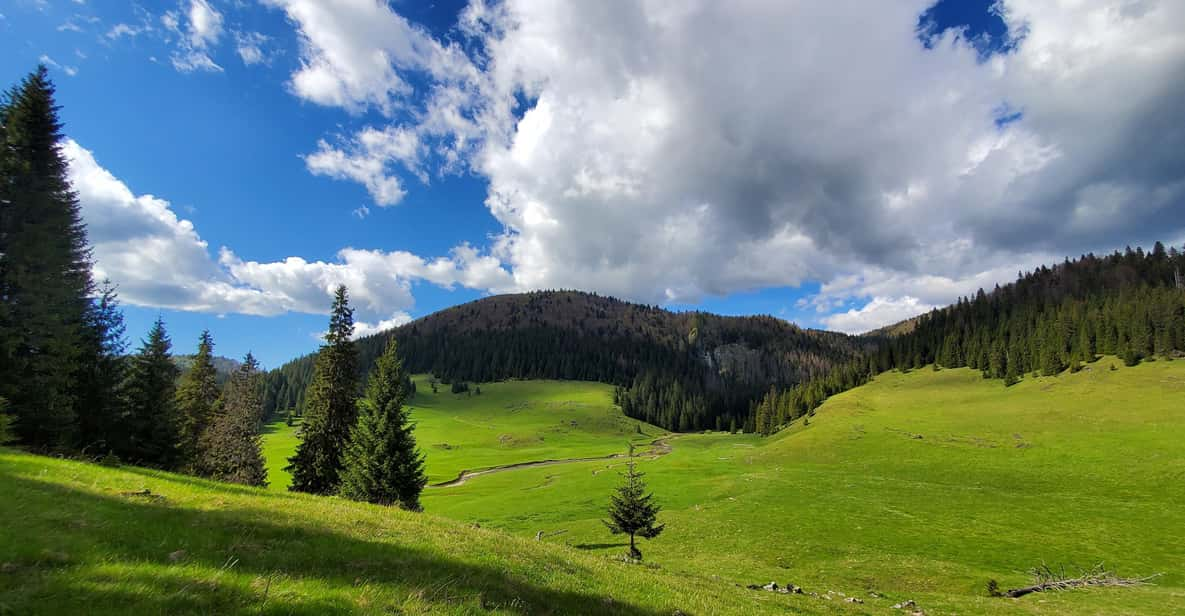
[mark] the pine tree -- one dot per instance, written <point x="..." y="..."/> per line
<point x="381" y="464"/>
<point x="330" y="407"/>
<point x="231" y="448"/>
<point x="45" y="279"/>
<point x="101" y="397"/>
<point x="632" y="511"/>
<point x="197" y="393"/>
<point x="151" y="419"/>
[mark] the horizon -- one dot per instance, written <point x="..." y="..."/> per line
<point x="235" y="161"/>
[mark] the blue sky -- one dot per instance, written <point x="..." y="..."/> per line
<point x="460" y="150"/>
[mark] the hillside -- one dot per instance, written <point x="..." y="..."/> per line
<point x="917" y="486"/>
<point x="508" y="423"/>
<point x="718" y="364"/>
<point x="82" y="538"/>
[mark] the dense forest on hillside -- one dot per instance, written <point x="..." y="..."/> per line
<point x="694" y="371"/>
<point x="707" y="367"/>
<point x="1130" y="304"/>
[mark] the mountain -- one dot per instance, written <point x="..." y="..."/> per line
<point x="701" y="370"/>
<point x="223" y="366"/>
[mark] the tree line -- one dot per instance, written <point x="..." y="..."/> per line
<point x="66" y="380"/>
<point x="68" y="386"/>
<point x="1130" y="304"/>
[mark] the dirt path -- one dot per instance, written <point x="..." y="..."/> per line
<point x="658" y="448"/>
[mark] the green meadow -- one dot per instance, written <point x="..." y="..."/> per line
<point x="919" y="486"/>
<point x="81" y="538"/>
<point x="508" y="423"/>
<point x="279" y="443"/>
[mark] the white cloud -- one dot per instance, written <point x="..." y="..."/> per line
<point x="363" y="329"/>
<point x="367" y="158"/>
<point x="205" y="24"/>
<point x="249" y="46"/>
<point x="673" y="150"/>
<point x="160" y="260"/>
<point x="200" y="34"/>
<point x="124" y="30"/>
<point x="192" y="60"/>
<point x="353" y="53"/>
<point x="878" y="312"/>
<point x="48" y="61"/>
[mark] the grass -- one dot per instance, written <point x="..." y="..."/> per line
<point x="918" y="486"/>
<point x="279" y="443"/>
<point x="509" y="423"/>
<point x="80" y="538"/>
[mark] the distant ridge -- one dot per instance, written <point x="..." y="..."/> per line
<point x="709" y="366"/>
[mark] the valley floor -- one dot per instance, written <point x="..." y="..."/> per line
<point x="919" y="486"/>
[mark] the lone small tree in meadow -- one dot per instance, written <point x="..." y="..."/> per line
<point x="632" y="511"/>
<point x="381" y="464"/>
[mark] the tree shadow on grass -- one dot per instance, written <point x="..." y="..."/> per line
<point x="272" y="427"/>
<point x="197" y="482"/>
<point x="69" y="551"/>
<point x="599" y="546"/>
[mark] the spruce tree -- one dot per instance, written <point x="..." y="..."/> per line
<point x="45" y="279"/>
<point x="231" y="448"/>
<point x="330" y="406"/>
<point x="197" y="393"/>
<point x="151" y="419"/>
<point x="381" y="464"/>
<point x="632" y="511"/>
<point x="101" y="381"/>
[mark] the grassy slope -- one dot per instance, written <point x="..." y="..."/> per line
<point x="511" y="422"/>
<point x="279" y="443"/>
<point x="1077" y="470"/>
<point x="73" y="542"/>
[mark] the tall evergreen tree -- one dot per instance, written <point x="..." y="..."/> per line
<point x="632" y="511"/>
<point x="330" y="406"/>
<point x="197" y="393"/>
<point x="101" y="399"/>
<point x="381" y="464"/>
<point x="231" y="448"/>
<point x="45" y="279"/>
<point x="151" y="419"/>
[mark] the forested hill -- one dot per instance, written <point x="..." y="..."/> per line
<point x="690" y="370"/>
<point x="1056" y="318"/>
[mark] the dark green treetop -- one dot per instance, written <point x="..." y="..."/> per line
<point x="382" y="463"/>
<point x="330" y="406"/>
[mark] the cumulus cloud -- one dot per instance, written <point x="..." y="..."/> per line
<point x="673" y="150"/>
<point x="876" y="313"/>
<point x="159" y="259"/>
<point x="367" y="158"/>
<point x="355" y="51"/>
<point x="363" y="329"/>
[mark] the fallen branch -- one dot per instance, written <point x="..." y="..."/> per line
<point x="1048" y="580"/>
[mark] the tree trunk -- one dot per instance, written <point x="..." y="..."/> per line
<point x="634" y="553"/>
